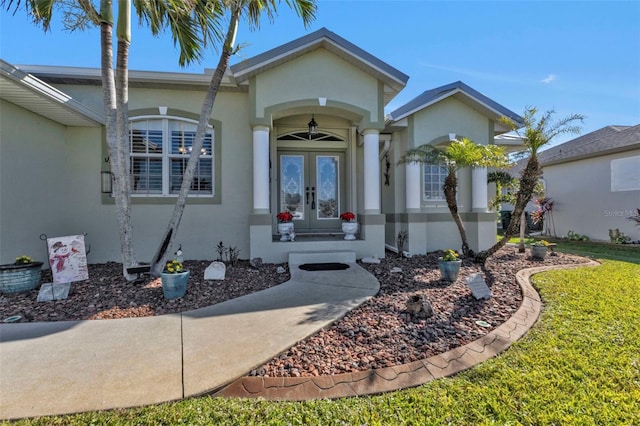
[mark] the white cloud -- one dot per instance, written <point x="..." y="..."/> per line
<point x="548" y="79"/>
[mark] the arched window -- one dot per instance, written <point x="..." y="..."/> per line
<point x="304" y="136"/>
<point x="159" y="149"/>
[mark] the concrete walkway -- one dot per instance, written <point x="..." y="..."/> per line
<point x="74" y="366"/>
<point x="68" y="367"/>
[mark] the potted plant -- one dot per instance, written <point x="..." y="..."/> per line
<point x="174" y="280"/>
<point x="22" y="275"/>
<point x="449" y="265"/>
<point x="285" y="226"/>
<point x="349" y="225"/>
<point x="539" y="249"/>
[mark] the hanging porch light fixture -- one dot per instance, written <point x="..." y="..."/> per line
<point x="313" y="127"/>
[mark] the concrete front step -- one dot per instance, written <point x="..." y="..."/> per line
<point x="300" y="258"/>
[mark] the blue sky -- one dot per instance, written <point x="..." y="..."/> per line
<point x="570" y="56"/>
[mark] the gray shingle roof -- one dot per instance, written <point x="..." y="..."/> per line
<point x="430" y="96"/>
<point x="323" y="37"/>
<point x="607" y="140"/>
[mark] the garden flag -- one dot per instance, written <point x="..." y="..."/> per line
<point x="68" y="259"/>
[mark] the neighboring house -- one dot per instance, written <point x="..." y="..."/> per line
<point x="594" y="181"/>
<point x="259" y="157"/>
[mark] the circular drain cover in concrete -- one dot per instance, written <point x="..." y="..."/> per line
<point x="330" y="266"/>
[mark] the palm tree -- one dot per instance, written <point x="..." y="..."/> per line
<point x="193" y="26"/>
<point x="537" y="133"/>
<point x="457" y="155"/>
<point x="503" y="179"/>
<point x="253" y="10"/>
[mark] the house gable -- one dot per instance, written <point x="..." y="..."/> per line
<point x="450" y="116"/>
<point x="307" y="81"/>
<point x="392" y="79"/>
<point x="462" y="93"/>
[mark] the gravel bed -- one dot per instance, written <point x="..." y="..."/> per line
<point x="382" y="333"/>
<point x="107" y="295"/>
<point x="378" y="334"/>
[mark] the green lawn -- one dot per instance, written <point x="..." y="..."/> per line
<point x="579" y="365"/>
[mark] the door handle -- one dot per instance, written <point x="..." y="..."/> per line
<point x="306" y="194"/>
<point x="313" y="198"/>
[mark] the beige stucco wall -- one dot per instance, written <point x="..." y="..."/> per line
<point x="75" y="156"/>
<point x="433" y="125"/>
<point x="313" y="75"/>
<point x="450" y="116"/>
<point x="584" y="202"/>
<point x="34" y="182"/>
<point x="204" y="225"/>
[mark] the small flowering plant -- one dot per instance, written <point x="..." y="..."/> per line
<point x="348" y="217"/>
<point x="450" y="256"/>
<point x="173" y="267"/>
<point x="23" y="260"/>
<point x="284" y="217"/>
<point x="541" y="243"/>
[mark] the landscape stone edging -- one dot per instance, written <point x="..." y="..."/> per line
<point x="402" y="376"/>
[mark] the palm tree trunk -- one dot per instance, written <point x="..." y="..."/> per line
<point x="122" y="122"/>
<point x="523" y="224"/>
<point x="111" y="118"/>
<point x="159" y="259"/>
<point x="450" y="185"/>
<point x="528" y="182"/>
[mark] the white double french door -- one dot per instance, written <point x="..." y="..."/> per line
<point x="311" y="187"/>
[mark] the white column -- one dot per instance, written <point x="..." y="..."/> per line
<point x="479" y="189"/>
<point x="371" y="171"/>
<point x="260" y="169"/>
<point x="412" y="187"/>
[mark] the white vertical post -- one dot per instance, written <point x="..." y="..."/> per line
<point x="371" y="171"/>
<point x="479" y="189"/>
<point x="412" y="187"/>
<point x="260" y="169"/>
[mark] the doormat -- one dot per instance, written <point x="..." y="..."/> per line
<point x="330" y="266"/>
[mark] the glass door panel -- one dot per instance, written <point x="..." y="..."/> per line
<point x="311" y="187"/>
<point x="292" y="182"/>
<point x="327" y="178"/>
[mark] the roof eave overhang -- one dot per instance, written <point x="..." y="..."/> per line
<point x="29" y="92"/>
<point x="632" y="147"/>
<point x="78" y="75"/>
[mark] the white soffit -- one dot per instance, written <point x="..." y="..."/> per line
<point x="40" y="98"/>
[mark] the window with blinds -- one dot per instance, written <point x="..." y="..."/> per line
<point x="159" y="152"/>
<point x="434" y="176"/>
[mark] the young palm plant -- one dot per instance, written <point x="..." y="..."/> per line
<point x="537" y="133"/>
<point x="455" y="156"/>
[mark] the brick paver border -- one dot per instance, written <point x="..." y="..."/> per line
<point x="406" y="375"/>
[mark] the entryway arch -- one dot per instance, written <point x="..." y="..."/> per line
<point x="313" y="174"/>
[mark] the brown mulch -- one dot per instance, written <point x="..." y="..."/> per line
<point x="378" y="334"/>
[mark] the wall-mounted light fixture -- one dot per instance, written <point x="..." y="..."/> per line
<point x="106" y="179"/>
<point x="313" y="127"/>
<point x="106" y="182"/>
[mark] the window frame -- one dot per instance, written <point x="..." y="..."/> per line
<point x="167" y="198"/>
<point x="441" y="187"/>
